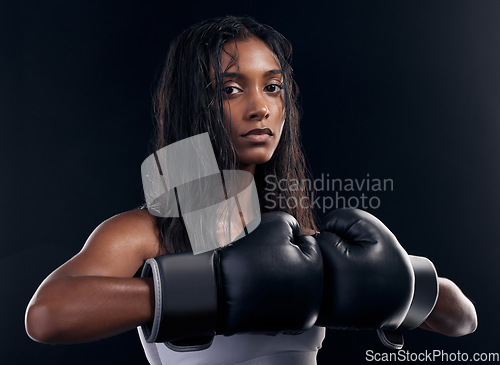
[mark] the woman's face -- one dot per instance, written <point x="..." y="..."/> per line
<point x="253" y="111"/>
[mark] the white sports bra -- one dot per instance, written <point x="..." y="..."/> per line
<point x="243" y="349"/>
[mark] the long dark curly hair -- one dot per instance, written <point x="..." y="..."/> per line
<point x="187" y="104"/>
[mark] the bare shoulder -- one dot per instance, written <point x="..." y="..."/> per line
<point x="134" y="229"/>
<point x="138" y="223"/>
<point x="117" y="247"/>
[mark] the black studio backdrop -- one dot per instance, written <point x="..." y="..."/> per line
<point x="402" y="91"/>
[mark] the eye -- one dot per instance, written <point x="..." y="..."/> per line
<point x="230" y="90"/>
<point x="274" y="88"/>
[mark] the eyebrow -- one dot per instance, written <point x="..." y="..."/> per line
<point x="273" y="72"/>
<point x="235" y="75"/>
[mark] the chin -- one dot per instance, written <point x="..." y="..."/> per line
<point x="255" y="155"/>
<point x="255" y="160"/>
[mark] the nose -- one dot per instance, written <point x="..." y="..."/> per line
<point x="257" y="106"/>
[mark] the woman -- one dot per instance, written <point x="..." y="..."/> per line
<point x="230" y="77"/>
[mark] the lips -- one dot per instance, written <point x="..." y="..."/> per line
<point x="258" y="131"/>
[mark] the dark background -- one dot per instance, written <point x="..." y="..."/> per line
<point x="403" y="90"/>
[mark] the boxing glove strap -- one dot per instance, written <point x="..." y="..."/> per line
<point x="185" y="296"/>
<point x="424" y="299"/>
<point x="426" y="292"/>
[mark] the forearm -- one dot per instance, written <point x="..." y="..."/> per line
<point x="454" y="314"/>
<point x="87" y="308"/>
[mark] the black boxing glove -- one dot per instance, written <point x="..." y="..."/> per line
<point x="269" y="281"/>
<point x="370" y="281"/>
<point x="369" y="278"/>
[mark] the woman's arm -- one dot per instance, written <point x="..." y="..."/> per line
<point x="454" y="314"/>
<point x="94" y="294"/>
